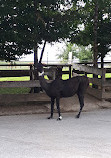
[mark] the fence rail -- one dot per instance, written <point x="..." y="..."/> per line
<point x="9" y="98"/>
<point x="32" y="83"/>
<point x="102" y="91"/>
<point x="102" y="88"/>
<point x="18" y="84"/>
<point x="15" y="73"/>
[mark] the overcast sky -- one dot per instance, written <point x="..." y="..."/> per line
<point x="50" y="53"/>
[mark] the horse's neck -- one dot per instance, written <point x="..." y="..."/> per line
<point x="43" y="83"/>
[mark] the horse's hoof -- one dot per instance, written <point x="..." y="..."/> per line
<point x="77" y="116"/>
<point x="49" y="117"/>
<point x="60" y="118"/>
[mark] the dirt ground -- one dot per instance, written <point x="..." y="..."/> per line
<point x="66" y="104"/>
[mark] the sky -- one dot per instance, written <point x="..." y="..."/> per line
<point x="50" y="52"/>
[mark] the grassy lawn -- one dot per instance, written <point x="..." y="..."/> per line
<point x="26" y="78"/>
<point x="14" y="90"/>
<point x="108" y="75"/>
<point x="19" y="90"/>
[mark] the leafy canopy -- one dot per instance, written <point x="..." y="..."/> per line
<point x="84" y="54"/>
<point x="85" y="36"/>
<point x="26" y="24"/>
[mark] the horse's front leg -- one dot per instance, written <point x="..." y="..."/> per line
<point x="52" y="108"/>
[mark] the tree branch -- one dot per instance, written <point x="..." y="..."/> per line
<point x="42" y="51"/>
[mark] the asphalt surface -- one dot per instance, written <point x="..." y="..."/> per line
<point x="34" y="136"/>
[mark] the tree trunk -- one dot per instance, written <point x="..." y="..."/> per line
<point x="35" y="37"/>
<point x="42" y="52"/>
<point x="102" y="62"/>
<point x="95" y="46"/>
<point x="35" y="61"/>
<point x="36" y="89"/>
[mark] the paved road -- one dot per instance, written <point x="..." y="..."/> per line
<point x="33" y="136"/>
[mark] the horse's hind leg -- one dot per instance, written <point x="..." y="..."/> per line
<point x="81" y="101"/>
<point x="58" y="108"/>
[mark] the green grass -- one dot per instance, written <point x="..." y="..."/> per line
<point x="108" y="75"/>
<point x="19" y="90"/>
<point x="14" y="90"/>
<point x="27" y="78"/>
<point x="65" y="76"/>
<point x="26" y="90"/>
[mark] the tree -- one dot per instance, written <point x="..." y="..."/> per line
<point x="95" y="31"/>
<point x="14" y="32"/>
<point x="96" y="19"/>
<point x="84" y="54"/>
<point x="26" y="24"/>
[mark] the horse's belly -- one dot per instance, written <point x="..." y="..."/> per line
<point x="68" y="93"/>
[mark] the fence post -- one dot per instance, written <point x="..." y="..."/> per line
<point x="95" y="86"/>
<point x="86" y="72"/>
<point x="103" y="81"/>
<point x="31" y="75"/>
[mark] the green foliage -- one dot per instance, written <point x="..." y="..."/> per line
<point x="65" y="53"/>
<point x="86" y="35"/>
<point x="26" y="24"/>
<point x="84" y="54"/>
